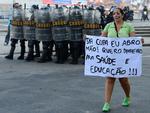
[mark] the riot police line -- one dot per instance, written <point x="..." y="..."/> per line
<point x="60" y="26"/>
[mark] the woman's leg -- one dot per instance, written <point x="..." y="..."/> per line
<point x="109" y="84"/>
<point x="125" y="85"/>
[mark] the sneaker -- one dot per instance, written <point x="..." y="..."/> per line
<point x="106" y="107"/>
<point x="126" y="102"/>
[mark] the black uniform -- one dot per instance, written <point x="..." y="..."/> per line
<point x="60" y="34"/>
<point x="29" y="34"/>
<point x="43" y="34"/>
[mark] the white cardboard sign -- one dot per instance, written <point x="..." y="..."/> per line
<point x="113" y="57"/>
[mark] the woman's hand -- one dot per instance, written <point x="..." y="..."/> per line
<point x="142" y="40"/>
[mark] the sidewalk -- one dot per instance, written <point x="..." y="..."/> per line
<point x="137" y="22"/>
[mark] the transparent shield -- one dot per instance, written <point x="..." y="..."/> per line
<point x="43" y="25"/>
<point x="29" y="25"/>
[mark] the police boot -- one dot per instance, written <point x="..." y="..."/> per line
<point x="50" y="51"/>
<point x="65" y="51"/>
<point x="75" y="53"/>
<point x="83" y="50"/>
<point x="61" y="59"/>
<point x="43" y="58"/>
<point x="11" y="53"/>
<point x="37" y="49"/>
<point x="74" y="57"/>
<point x="30" y="55"/>
<point x="49" y="54"/>
<point x="59" y="53"/>
<point x="21" y="57"/>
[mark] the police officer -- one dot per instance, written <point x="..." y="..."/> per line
<point x="59" y="33"/>
<point x="43" y="33"/>
<point x="76" y="33"/>
<point x="92" y="23"/>
<point x="145" y="14"/>
<point x="16" y="32"/>
<point x="30" y="35"/>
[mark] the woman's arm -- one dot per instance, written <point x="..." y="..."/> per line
<point x="104" y="34"/>
<point x="142" y="40"/>
<point x="132" y="34"/>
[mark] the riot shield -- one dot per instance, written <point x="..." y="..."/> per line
<point x="92" y="22"/>
<point x="16" y="31"/>
<point x="43" y="25"/>
<point x="59" y="24"/>
<point x="75" y="24"/>
<point x="29" y="25"/>
<point x="97" y="16"/>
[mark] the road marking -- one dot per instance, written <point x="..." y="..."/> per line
<point x="146" y="47"/>
<point x="146" y="56"/>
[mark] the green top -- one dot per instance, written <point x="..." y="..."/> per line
<point x="124" y="31"/>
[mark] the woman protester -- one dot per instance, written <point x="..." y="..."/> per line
<point x="116" y="29"/>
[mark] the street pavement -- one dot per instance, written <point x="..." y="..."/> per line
<point x="31" y="87"/>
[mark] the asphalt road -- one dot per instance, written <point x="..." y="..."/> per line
<point x="30" y="87"/>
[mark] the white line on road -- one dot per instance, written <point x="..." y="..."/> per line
<point x="146" y="56"/>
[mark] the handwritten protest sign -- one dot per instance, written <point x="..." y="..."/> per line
<point x="114" y="57"/>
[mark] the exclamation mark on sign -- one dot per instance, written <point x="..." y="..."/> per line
<point x="132" y="71"/>
<point x="129" y="71"/>
<point x="135" y="71"/>
<point x="97" y="50"/>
